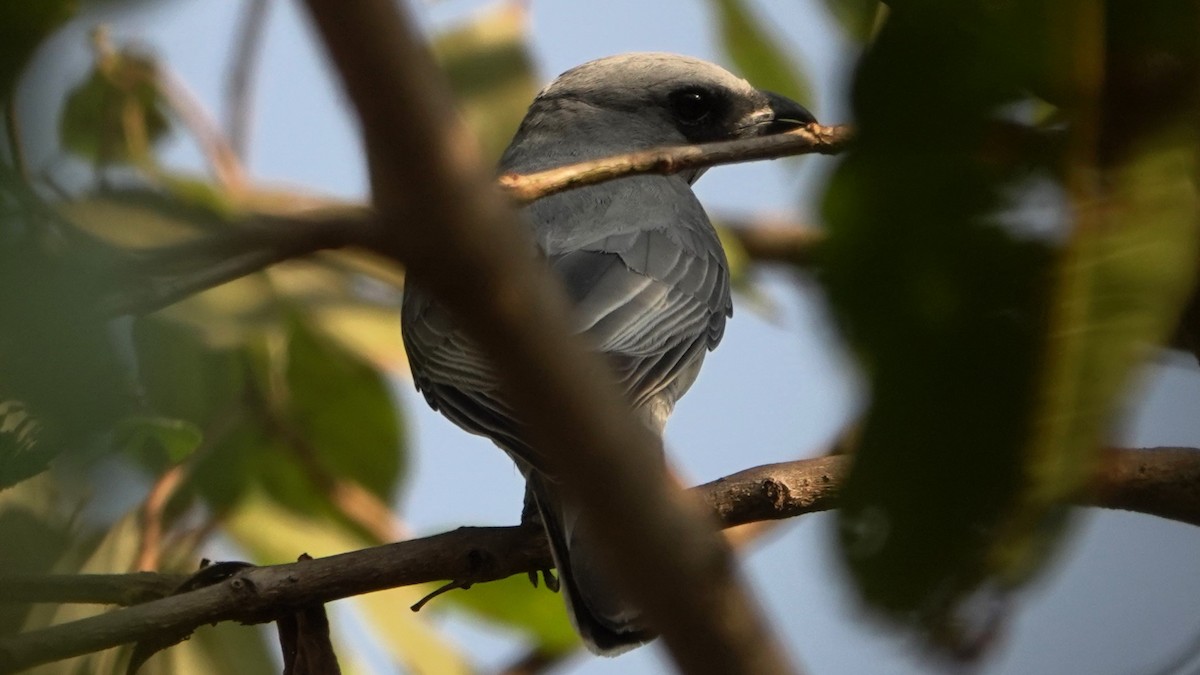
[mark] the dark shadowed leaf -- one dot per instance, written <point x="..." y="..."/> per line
<point x="63" y="378"/>
<point x="856" y="17"/>
<point x="23" y="26"/>
<point x="343" y="408"/>
<point x="996" y="363"/>
<point x="757" y="54"/>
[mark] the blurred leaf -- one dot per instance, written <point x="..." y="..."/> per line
<point x="118" y="113"/>
<point x="176" y="437"/>
<point x="944" y="308"/>
<point x="274" y="535"/>
<point x="512" y="602"/>
<point x="223" y="648"/>
<point x="35" y="535"/>
<point x="344" y="409"/>
<point x="142" y="218"/>
<point x="183" y="376"/>
<point x="742" y="278"/>
<point x="1130" y="263"/>
<point x="995" y="364"/>
<point x="226" y="648"/>
<point x="23" y="26"/>
<point x="857" y="18"/>
<point x="491" y="71"/>
<point x="758" y="56"/>
<point x="60" y="364"/>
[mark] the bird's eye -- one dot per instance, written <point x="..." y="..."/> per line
<point x="692" y="106"/>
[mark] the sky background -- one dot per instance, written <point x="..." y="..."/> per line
<point x="1123" y="598"/>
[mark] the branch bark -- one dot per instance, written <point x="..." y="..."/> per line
<point x="1160" y="481"/>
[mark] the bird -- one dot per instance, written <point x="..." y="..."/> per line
<point x="643" y="268"/>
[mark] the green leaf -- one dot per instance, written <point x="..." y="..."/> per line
<point x="857" y="18"/>
<point x="757" y="54"/>
<point x="36" y="537"/>
<point x="945" y="310"/>
<point x="183" y="376"/>
<point x="175" y="437"/>
<point x="117" y="113"/>
<point x="61" y="367"/>
<point x="514" y="603"/>
<point x="491" y="71"/>
<point x="343" y="408"/>
<point x="996" y="363"/>
<point x="273" y="535"/>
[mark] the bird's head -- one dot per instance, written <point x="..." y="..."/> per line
<point x="683" y="99"/>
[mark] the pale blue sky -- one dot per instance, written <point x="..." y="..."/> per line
<point x="1122" y="600"/>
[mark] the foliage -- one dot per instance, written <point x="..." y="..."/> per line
<point x="996" y="358"/>
<point x="262" y="409"/>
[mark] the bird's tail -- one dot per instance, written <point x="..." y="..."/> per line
<point x="608" y="624"/>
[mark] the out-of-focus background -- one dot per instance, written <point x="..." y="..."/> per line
<point x="1120" y="598"/>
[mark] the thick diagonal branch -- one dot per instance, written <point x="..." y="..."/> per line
<point x="461" y="240"/>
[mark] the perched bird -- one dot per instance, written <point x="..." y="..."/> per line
<point x="642" y="266"/>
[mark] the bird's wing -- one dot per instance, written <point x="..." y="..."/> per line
<point x="651" y="301"/>
<point x="452" y="373"/>
<point x="652" y="295"/>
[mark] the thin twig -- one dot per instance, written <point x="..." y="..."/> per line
<point x="226" y="166"/>
<point x="243" y="66"/>
<point x="815" y="138"/>
<point x="153" y="509"/>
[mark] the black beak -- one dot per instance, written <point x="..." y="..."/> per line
<point x="788" y="114"/>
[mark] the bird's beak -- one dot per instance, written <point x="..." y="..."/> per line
<point x="778" y="115"/>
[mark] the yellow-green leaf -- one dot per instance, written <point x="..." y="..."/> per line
<point x="488" y="63"/>
<point x="757" y="53"/>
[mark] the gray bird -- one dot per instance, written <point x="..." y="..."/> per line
<point x="641" y="264"/>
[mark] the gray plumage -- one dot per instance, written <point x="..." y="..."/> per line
<point x="640" y="261"/>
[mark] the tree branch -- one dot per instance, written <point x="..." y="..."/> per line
<point x="1160" y="481"/>
<point x="162" y="277"/>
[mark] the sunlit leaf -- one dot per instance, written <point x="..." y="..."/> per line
<point x="175" y="437"/>
<point x="742" y="278"/>
<point x="488" y="63"/>
<point x="36" y="536"/>
<point x="1128" y="267"/>
<point x="513" y="603"/>
<point x="142" y="218"/>
<point x="274" y="535"/>
<point x="757" y="54"/>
